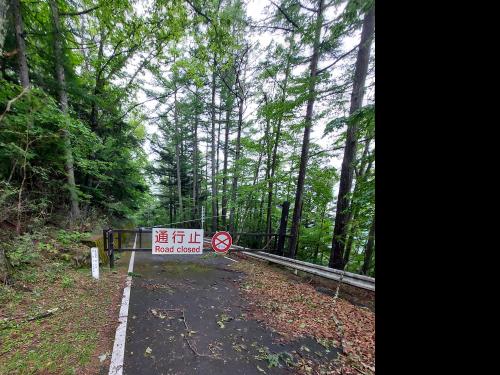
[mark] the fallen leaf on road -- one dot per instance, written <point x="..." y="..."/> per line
<point x="261" y="370"/>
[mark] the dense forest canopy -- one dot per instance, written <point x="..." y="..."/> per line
<point x="154" y="110"/>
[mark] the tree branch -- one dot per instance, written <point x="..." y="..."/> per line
<point x="10" y="102"/>
<point x="199" y="12"/>
<point x="286" y="15"/>
<point x="338" y="148"/>
<point x="80" y="12"/>
<point x="337" y="60"/>
<point x="270" y="27"/>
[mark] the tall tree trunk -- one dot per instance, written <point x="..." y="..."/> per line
<point x="207" y="152"/>
<point x="304" y="156"/>
<point x="370" y="246"/>
<point x="318" y="242"/>
<point x="5" y="266"/>
<point x="276" y="144"/>
<point x="21" y="45"/>
<point x="4" y="21"/>
<point x="350" y="238"/>
<point x="267" y="137"/>
<point x="177" y="156"/>
<point x="217" y="153"/>
<point x="226" y="157"/>
<point x="63" y="102"/>
<point x="251" y="199"/>
<point x="21" y="188"/>
<point x="364" y="169"/>
<point x="347" y="171"/>
<point x="99" y="82"/>
<point x="215" y="221"/>
<point x="195" y="162"/>
<point x="234" y="187"/>
<point x="170" y="200"/>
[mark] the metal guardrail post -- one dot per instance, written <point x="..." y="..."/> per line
<point x="282" y="230"/>
<point x="105" y="239"/>
<point x="111" y="250"/>
<point x="140" y="238"/>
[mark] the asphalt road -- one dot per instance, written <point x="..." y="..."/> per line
<point x="186" y="317"/>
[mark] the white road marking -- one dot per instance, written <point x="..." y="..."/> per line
<point x="116" y="366"/>
<point x="231" y="259"/>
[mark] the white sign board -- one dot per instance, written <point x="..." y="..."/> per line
<point x="177" y="241"/>
<point x="94" y="252"/>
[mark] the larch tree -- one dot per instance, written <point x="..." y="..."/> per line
<point x="299" y="194"/>
<point x="63" y="102"/>
<point x="347" y="170"/>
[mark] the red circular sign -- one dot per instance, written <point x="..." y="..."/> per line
<point x="221" y="242"/>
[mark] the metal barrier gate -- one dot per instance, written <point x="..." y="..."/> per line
<point x="144" y="235"/>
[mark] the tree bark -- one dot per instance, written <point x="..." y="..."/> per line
<point x="25" y="82"/>
<point x="177" y="156"/>
<point x="99" y="82"/>
<point x="353" y="212"/>
<point x="21" y="45"/>
<point x="217" y="153"/>
<point x="347" y="171"/>
<point x="370" y="246"/>
<point x="318" y="242"/>
<point x="214" y="221"/>
<point x="267" y="137"/>
<point x="207" y="152"/>
<point x="251" y="199"/>
<point x="4" y="21"/>
<point x="229" y="105"/>
<point x="23" y="168"/>
<point x="275" y="146"/>
<point x="234" y="187"/>
<point x="195" y="160"/>
<point x="299" y="195"/>
<point x="63" y="102"/>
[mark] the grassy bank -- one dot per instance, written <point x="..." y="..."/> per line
<point x="54" y="317"/>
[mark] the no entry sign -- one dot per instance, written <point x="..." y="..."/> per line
<point x="221" y="242"/>
<point x="177" y="241"/>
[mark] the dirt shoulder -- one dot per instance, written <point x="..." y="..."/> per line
<point x="296" y="309"/>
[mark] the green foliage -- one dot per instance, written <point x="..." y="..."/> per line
<point x="23" y="252"/>
<point x="54" y="271"/>
<point x="67" y="238"/>
<point x="273" y="360"/>
<point x="67" y="281"/>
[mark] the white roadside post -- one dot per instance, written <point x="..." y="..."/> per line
<point x="94" y="252"/>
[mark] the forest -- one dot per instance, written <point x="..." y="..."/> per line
<point x="148" y="112"/>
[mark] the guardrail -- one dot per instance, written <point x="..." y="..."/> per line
<point x="360" y="281"/>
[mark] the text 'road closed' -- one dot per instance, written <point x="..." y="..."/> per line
<point x="177" y="241"/>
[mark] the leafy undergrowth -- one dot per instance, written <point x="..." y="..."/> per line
<point x="80" y="327"/>
<point x="295" y="309"/>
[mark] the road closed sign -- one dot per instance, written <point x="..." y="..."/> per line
<point x="177" y="241"/>
<point x="221" y="242"/>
